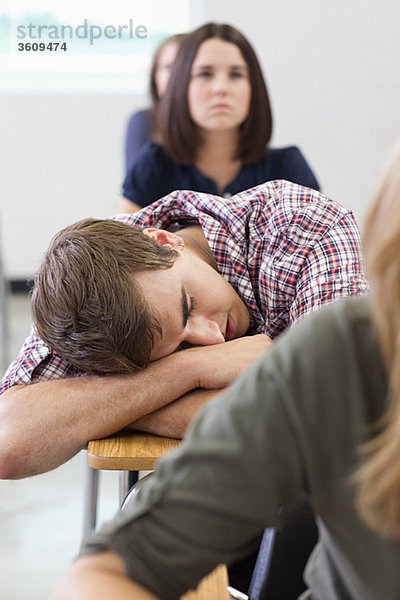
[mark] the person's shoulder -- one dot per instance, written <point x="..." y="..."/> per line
<point x="290" y="204"/>
<point x="152" y="176"/>
<point x="290" y="163"/>
<point x="153" y="154"/>
<point x="339" y="333"/>
<point x="140" y="116"/>
<point x="151" y="163"/>
<point x="280" y="195"/>
<point x="345" y="314"/>
<point x="36" y="361"/>
<point x="285" y="153"/>
<point x="291" y="152"/>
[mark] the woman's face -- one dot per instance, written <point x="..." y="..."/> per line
<point x="164" y="66"/>
<point x="219" y="90"/>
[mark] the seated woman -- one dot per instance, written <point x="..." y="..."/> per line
<point x="216" y="124"/>
<point x="142" y="125"/>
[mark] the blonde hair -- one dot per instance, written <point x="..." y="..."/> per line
<point x="379" y="476"/>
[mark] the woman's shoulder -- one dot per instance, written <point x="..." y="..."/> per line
<point x="286" y="153"/>
<point x="140" y="116"/>
<point x="153" y="175"/>
<point x="153" y="156"/>
<point x="290" y="163"/>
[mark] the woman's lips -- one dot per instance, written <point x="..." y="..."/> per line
<point x="221" y="106"/>
<point x="230" y="328"/>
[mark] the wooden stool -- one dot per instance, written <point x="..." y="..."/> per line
<point x="125" y="451"/>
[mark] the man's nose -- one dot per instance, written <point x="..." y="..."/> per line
<point x="203" y="332"/>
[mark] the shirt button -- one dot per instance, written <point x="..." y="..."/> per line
<point x="227" y="195"/>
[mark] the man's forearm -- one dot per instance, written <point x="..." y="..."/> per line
<point x="44" y="424"/>
<point x="172" y="420"/>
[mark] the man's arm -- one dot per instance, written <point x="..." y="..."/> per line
<point x="172" y="420"/>
<point x="99" y="577"/>
<point x="44" y="424"/>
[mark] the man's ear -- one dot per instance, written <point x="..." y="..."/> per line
<point x="165" y="238"/>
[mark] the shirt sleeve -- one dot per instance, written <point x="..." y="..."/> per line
<point x="333" y="268"/>
<point x="137" y="136"/>
<point x="310" y="255"/>
<point x="35" y="362"/>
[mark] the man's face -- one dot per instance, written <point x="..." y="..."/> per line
<point x="195" y="305"/>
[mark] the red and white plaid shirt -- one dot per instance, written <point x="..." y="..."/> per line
<point x="284" y="248"/>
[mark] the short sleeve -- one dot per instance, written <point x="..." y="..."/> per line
<point x="151" y="177"/>
<point x="293" y="167"/>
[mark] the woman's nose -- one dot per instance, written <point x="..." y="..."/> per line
<point x="220" y="84"/>
<point x="203" y="332"/>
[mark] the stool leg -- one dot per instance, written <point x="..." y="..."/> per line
<point x="127" y="480"/>
<point x="90" y="508"/>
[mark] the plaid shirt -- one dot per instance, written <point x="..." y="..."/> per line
<point x="284" y="248"/>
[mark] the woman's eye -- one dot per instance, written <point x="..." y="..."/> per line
<point x="237" y="74"/>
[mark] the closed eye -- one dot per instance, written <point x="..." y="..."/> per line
<point x="193" y="306"/>
<point x="188" y="307"/>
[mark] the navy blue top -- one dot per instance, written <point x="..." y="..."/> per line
<point x="137" y="135"/>
<point x="154" y="174"/>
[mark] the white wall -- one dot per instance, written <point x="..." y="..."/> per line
<point x="333" y="71"/>
<point x="61" y="160"/>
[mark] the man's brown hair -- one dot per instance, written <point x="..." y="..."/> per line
<point x="85" y="303"/>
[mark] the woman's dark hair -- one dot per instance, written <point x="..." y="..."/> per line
<point x="177" y="39"/>
<point x="180" y="134"/>
<point x="155" y="98"/>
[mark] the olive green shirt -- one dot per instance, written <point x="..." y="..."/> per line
<point x="291" y="425"/>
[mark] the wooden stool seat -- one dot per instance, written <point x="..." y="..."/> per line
<point x="125" y="452"/>
<point x="128" y="450"/>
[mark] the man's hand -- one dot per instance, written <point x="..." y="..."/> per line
<point x="217" y="366"/>
<point x="45" y="424"/>
<point x="172" y="420"/>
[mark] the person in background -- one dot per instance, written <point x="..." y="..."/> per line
<point x="216" y="125"/>
<point x="142" y="125"/>
<point x="318" y="414"/>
